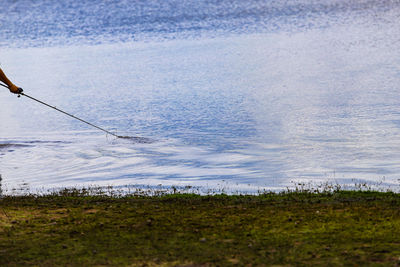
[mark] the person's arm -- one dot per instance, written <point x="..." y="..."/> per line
<point x="13" y="88"/>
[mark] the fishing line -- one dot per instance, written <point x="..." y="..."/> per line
<point x="72" y="116"/>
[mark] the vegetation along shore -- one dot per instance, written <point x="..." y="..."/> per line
<point x="75" y="228"/>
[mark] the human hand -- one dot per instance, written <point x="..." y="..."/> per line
<point x="14" y="89"/>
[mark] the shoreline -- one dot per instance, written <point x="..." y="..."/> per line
<point x="72" y="228"/>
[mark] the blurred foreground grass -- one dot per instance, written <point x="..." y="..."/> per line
<point x="73" y="228"/>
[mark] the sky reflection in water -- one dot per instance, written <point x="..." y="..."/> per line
<point x="258" y="108"/>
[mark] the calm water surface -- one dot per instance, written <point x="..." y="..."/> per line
<point x="240" y="95"/>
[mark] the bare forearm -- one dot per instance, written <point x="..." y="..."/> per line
<point x="13" y="88"/>
<point x="4" y="79"/>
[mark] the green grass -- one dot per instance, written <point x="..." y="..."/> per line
<point x="293" y="228"/>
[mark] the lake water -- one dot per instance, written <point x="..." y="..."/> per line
<point x="234" y="95"/>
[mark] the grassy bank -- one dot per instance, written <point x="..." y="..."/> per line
<point x="341" y="228"/>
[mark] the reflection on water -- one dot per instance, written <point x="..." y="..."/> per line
<point x="68" y="22"/>
<point x="285" y="92"/>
